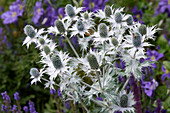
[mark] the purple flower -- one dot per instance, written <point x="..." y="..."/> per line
<point x="4" y="108"/>
<point x="164" y="7"/>
<point x="25" y="108"/>
<point x="67" y="105"/>
<point x="31" y="107"/>
<point x="14" y="109"/>
<point x="166" y="73"/>
<point x="61" y="12"/>
<point x="21" y="6"/>
<point x="121" y="64"/>
<point x="75" y="41"/>
<point x="137" y="15"/>
<point x="94" y="5"/>
<point x="10" y="16"/>
<point x="16" y="96"/>
<point x="149" y="87"/>
<point x="53" y="91"/>
<point x="168" y="39"/>
<point x="59" y="92"/>
<point x="99" y="98"/>
<point x="38" y="12"/>
<point x="154" y="56"/>
<point x="6" y="97"/>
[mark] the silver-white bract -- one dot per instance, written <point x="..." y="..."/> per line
<point x="106" y="43"/>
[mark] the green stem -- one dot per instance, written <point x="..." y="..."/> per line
<point x="99" y="80"/>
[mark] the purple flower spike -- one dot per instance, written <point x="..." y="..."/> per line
<point x="166" y="74"/>
<point x="31" y="107"/>
<point x="67" y="105"/>
<point x="53" y="91"/>
<point x="4" y="108"/>
<point x="25" y="108"/>
<point x="14" y="109"/>
<point x="16" y="96"/>
<point x="38" y="12"/>
<point x="59" y="92"/>
<point x="6" y="97"/>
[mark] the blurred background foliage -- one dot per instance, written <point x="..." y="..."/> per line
<point x="16" y="60"/>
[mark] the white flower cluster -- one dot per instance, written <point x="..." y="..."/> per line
<point x="105" y="38"/>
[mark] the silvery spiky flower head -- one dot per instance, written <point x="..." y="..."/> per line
<point x="118" y="17"/>
<point x="107" y="11"/>
<point x="92" y="61"/>
<point x="42" y="41"/>
<point x="70" y="10"/>
<point x="125" y="102"/>
<point x="129" y="20"/>
<point x="34" y="72"/>
<point x="142" y="29"/>
<point x="60" y="26"/>
<point x="114" y="42"/>
<point x="80" y="25"/>
<point x="29" y="31"/>
<point x="103" y="32"/>
<point x="56" y="61"/>
<point x="136" y="39"/>
<point x="46" y="49"/>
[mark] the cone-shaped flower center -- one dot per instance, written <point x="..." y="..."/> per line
<point x="46" y="49"/>
<point x="142" y="29"/>
<point x="114" y="41"/>
<point x="129" y="20"/>
<point x="80" y="25"/>
<point x="107" y="11"/>
<point x="56" y="61"/>
<point x="86" y="16"/>
<point x="124" y="100"/>
<point x="41" y="40"/>
<point x="136" y="39"/>
<point x="118" y="17"/>
<point x="60" y="26"/>
<point x="70" y="10"/>
<point x="92" y="61"/>
<point x="34" y="72"/>
<point x="29" y="31"/>
<point x="102" y="30"/>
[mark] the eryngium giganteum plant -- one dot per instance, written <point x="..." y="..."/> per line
<point x="115" y="37"/>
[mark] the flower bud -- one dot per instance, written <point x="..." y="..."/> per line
<point x="29" y="31"/>
<point x="80" y="25"/>
<point x="70" y="10"/>
<point x="86" y="16"/>
<point x="92" y="61"/>
<point x="136" y="39"/>
<point x="56" y="61"/>
<point x="118" y="17"/>
<point x="107" y="11"/>
<point x="102" y="30"/>
<point x="114" y="41"/>
<point x="60" y="26"/>
<point x="124" y="100"/>
<point x="129" y="20"/>
<point x="42" y="41"/>
<point x="46" y="49"/>
<point x="34" y="72"/>
<point x="142" y="29"/>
